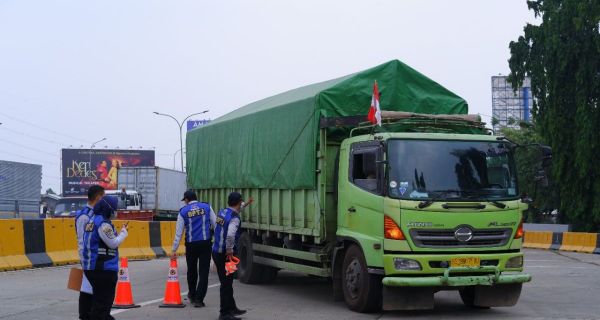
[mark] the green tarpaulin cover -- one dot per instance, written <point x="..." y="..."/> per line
<point x="272" y="143"/>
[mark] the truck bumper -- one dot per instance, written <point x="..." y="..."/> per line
<point x="490" y="288"/>
<point x="449" y="280"/>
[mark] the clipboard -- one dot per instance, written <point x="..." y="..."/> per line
<point x="75" y="279"/>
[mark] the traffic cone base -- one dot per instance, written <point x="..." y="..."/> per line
<point x="172" y="297"/>
<point x="124" y="297"/>
<point x="131" y="306"/>
<point x="172" y="305"/>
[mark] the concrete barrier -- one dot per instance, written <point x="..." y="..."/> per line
<point x="557" y="239"/>
<point x="538" y="239"/>
<point x="35" y="243"/>
<point x="167" y="234"/>
<point x="12" y="245"/>
<point x="137" y="243"/>
<point x="564" y="241"/>
<point x="56" y="240"/>
<point x="166" y="237"/>
<point x="38" y="243"/>
<point x="155" y="239"/>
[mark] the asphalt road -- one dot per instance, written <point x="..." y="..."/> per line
<point x="565" y="286"/>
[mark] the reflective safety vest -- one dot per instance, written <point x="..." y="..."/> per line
<point x="224" y="217"/>
<point x="85" y="211"/>
<point x="197" y="221"/>
<point x="96" y="254"/>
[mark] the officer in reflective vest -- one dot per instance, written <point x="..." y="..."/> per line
<point x="82" y="218"/>
<point x="227" y="234"/>
<point x="101" y="256"/>
<point x="197" y="219"/>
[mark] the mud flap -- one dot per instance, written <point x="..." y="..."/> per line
<point x="407" y="298"/>
<point x="500" y="295"/>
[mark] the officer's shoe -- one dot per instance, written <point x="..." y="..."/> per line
<point x="238" y="312"/>
<point x="228" y="316"/>
<point x="198" y="304"/>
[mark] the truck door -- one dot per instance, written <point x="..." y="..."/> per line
<point x="361" y="196"/>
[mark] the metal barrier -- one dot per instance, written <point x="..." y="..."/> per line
<point x="19" y="208"/>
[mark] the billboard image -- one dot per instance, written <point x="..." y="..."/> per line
<point x="82" y="168"/>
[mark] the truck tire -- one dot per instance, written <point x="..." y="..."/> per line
<point x="467" y="295"/>
<point x="485" y="297"/>
<point x="248" y="271"/>
<point x="362" y="291"/>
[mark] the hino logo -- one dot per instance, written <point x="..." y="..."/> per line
<point x="463" y="234"/>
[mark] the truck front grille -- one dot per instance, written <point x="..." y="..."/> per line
<point x="444" y="238"/>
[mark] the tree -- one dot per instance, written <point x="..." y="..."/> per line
<point x="50" y="191"/>
<point x="562" y="57"/>
<point x="495" y="121"/>
<point x="528" y="161"/>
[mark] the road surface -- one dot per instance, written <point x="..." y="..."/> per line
<point x="566" y="285"/>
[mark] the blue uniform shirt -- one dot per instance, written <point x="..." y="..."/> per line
<point x="196" y="217"/>
<point x="224" y="219"/>
<point x="96" y="254"/>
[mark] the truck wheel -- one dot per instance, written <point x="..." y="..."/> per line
<point x="362" y="291"/>
<point x="484" y="297"/>
<point x="467" y="295"/>
<point x="248" y="271"/>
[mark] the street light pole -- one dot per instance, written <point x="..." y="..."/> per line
<point x="92" y="148"/>
<point x="180" y="125"/>
<point x="174" y="157"/>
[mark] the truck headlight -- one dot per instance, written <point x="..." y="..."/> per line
<point x="406" y="264"/>
<point x="515" y="262"/>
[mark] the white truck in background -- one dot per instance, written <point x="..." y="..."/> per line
<point x="155" y="191"/>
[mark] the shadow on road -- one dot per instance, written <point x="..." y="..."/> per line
<point x="319" y="291"/>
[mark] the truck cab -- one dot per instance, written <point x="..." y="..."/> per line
<point x="423" y="212"/>
<point x="127" y="199"/>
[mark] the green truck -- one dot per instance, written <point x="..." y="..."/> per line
<point x="391" y="214"/>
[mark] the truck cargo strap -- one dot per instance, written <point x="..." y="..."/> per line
<point x="458" y="281"/>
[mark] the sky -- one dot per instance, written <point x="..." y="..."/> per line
<point x="74" y="72"/>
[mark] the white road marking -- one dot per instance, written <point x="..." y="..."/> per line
<point x="527" y="260"/>
<point x="559" y="267"/>
<point x="146" y="303"/>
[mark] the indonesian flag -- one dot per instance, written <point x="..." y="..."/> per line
<point x="374" y="112"/>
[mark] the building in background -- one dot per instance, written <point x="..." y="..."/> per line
<point x="509" y="107"/>
<point x="20" y="189"/>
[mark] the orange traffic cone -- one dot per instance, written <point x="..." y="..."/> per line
<point x="124" y="298"/>
<point x="172" y="297"/>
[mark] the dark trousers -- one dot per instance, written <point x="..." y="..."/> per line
<point x="104" y="284"/>
<point x="227" y="302"/>
<point x="197" y="257"/>
<point x="85" y="305"/>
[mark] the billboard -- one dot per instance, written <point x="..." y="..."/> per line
<point x="82" y="168"/>
<point x="193" y="124"/>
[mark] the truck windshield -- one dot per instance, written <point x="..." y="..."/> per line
<point x="68" y="207"/>
<point x="451" y="170"/>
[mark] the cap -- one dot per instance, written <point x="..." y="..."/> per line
<point x="234" y="198"/>
<point x="189" y="195"/>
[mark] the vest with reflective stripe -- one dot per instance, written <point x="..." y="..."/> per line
<point x="224" y="217"/>
<point x="96" y="254"/>
<point x="197" y="221"/>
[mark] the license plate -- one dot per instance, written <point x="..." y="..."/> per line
<point x="470" y="262"/>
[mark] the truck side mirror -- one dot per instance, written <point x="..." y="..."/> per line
<point x="541" y="177"/>
<point x="546" y="156"/>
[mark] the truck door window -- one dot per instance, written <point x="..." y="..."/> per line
<point x="363" y="171"/>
